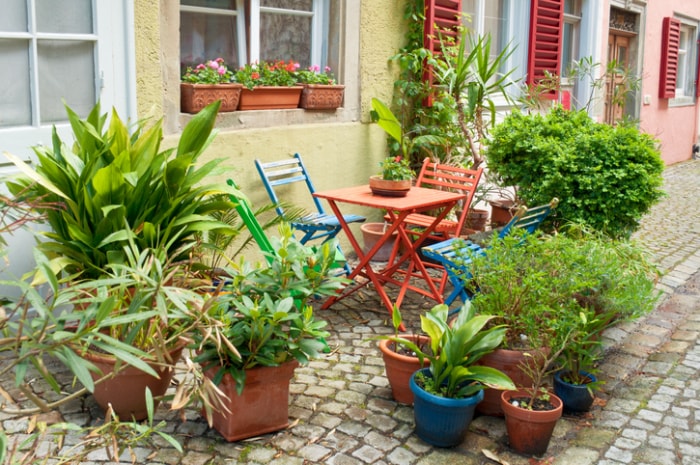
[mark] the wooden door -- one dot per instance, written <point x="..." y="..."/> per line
<point x="618" y="51"/>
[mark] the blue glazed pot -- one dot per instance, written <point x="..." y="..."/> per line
<point x="440" y="421"/>
<point x="576" y="397"/>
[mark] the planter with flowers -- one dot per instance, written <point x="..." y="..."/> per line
<point x="206" y="83"/>
<point x="395" y="179"/>
<point x="321" y="92"/>
<point x="269" y="85"/>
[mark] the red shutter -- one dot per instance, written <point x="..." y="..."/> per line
<point x="545" y="48"/>
<point x="670" y="42"/>
<point x="442" y="18"/>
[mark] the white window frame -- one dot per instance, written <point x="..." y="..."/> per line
<point x="115" y="78"/>
<point x="574" y="21"/>
<point x="238" y="13"/>
<point x="687" y="63"/>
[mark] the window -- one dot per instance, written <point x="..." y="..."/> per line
<point x="570" y="35"/>
<point x="306" y="31"/>
<point x="687" y="64"/>
<point x="75" y="51"/>
<point x="503" y="20"/>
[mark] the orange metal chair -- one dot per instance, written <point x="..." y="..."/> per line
<point x="450" y="178"/>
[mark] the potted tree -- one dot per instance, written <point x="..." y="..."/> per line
<point x="270" y="330"/>
<point x="446" y="392"/>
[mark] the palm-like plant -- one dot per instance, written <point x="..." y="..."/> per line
<point x="112" y="182"/>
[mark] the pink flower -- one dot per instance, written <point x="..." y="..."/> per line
<point x="213" y="64"/>
<point x="315" y="68"/>
<point x="327" y="69"/>
<point x="221" y="70"/>
<point x="200" y="66"/>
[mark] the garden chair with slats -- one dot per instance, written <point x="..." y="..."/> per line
<point x="453" y="254"/>
<point x="450" y="178"/>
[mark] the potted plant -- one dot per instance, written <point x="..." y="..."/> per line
<point x="400" y="362"/>
<point x="446" y="392"/>
<point x="269" y="85"/>
<point x="321" y="92"/>
<point x="270" y="329"/>
<point x="206" y="83"/>
<point x="113" y="180"/>
<point x="395" y="179"/>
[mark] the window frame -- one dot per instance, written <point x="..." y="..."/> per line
<point x="687" y="64"/>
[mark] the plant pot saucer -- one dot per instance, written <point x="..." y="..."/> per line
<point x="389" y="192"/>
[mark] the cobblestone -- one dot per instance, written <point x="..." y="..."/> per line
<point x="342" y="413"/>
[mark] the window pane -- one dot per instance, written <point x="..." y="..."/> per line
<point x="285" y="38"/>
<point x="205" y="37"/>
<point x="14" y="16"/>
<point x="14" y="91"/>
<point x="223" y="4"/>
<point x="567" y="48"/>
<point x="304" y="5"/>
<point x="66" y="71"/>
<point x="469" y="7"/>
<point x="74" y="16"/>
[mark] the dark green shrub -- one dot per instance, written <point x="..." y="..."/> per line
<point x="605" y="177"/>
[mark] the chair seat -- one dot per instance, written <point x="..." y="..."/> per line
<point x="327" y="220"/>
<point x="445" y="252"/>
<point x="423" y="221"/>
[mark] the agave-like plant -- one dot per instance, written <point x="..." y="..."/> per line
<point x="455" y="347"/>
<point x="113" y="184"/>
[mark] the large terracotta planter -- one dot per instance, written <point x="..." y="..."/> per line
<point x="125" y="392"/>
<point x="529" y="431"/>
<point x="371" y="233"/>
<point x="270" y="98"/>
<point x="389" y="188"/>
<point x="194" y="97"/>
<point x="442" y="421"/>
<point x="509" y="362"/>
<point x="322" y="97"/>
<point x="262" y="407"/>
<point x="399" y="368"/>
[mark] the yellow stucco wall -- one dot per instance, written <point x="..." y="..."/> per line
<point x="338" y="153"/>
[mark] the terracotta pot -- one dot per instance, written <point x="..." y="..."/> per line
<point x="371" y="233"/>
<point x="501" y="212"/>
<point x="476" y="219"/>
<point x="270" y="98"/>
<point x="126" y="391"/>
<point x="510" y="363"/>
<point x="321" y="97"/>
<point x="400" y="368"/>
<point x="262" y="407"/>
<point x="529" y="431"/>
<point x="194" y="97"/>
<point x="389" y="188"/>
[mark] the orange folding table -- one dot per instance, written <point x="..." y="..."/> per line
<point x="418" y="199"/>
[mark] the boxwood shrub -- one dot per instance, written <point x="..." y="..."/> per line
<point x="606" y="177"/>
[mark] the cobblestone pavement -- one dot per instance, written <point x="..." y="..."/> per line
<point x="342" y="413"/>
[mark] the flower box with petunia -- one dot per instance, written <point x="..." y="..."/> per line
<point x="320" y="89"/>
<point x="268" y="85"/>
<point x="206" y="83"/>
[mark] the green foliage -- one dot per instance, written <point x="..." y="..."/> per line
<point x="397" y="169"/>
<point x="209" y="72"/>
<point x="455" y="348"/>
<point x="539" y="286"/>
<point x="265" y="310"/>
<point x="605" y="177"/>
<point x="267" y="73"/>
<point x="112" y="181"/>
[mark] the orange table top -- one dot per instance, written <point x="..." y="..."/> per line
<point x="417" y="199"/>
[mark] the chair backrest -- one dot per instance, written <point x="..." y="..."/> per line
<point x="450" y="178"/>
<point x="529" y="219"/>
<point x="256" y="230"/>
<point x="279" y="173"/>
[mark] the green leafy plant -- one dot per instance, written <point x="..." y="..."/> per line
<point x="267" y="318"/>
<point x="396" y="169"/>
<point x="112" y="181"/>
<point x="606" y="177"/>
<point x="209" y="72"/>
<point x="264" y="73"/>
<point x="455" y="347"/>
<point x="313" y="75"/>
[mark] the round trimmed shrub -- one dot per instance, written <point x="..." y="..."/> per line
<point x="606" y="177"/>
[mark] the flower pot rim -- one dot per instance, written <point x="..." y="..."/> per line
<point x="443" y="401"/>
<point x="592" y="378"/>
<point x="384" y="347"/>
<point x="536" y="416"/>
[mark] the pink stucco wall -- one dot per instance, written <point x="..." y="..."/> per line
<point x="676" y="127"/>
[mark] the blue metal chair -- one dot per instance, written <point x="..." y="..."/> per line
<point x="453" y="254"/>
<point x="316" y="225"/>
